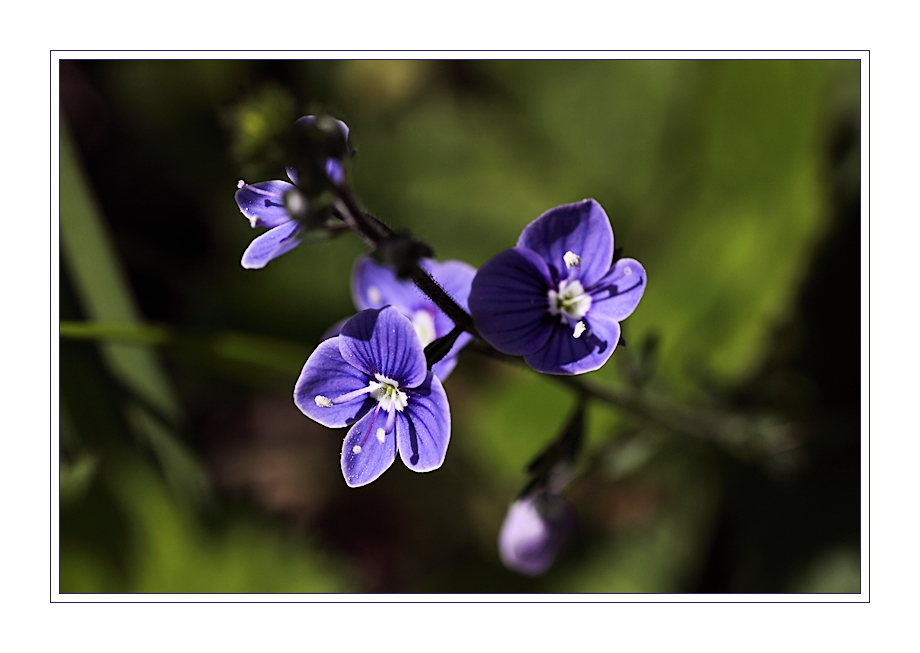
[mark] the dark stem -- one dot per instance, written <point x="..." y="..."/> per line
<point x="740" y="435"/>
<point x="375" y="232"/>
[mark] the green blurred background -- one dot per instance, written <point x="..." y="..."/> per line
<point x="185" y="466"/>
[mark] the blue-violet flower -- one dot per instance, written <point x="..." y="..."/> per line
<point x="374" y="286"/>
<point x="266" y="203"/>
<point x="554" y="298"/>
<point x="535" y="530"/>
<point x="373" y="377"/>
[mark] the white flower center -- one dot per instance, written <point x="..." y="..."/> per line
<point x="569" y="301"/>
<point x="387" y="393"/>
<point x="424" y="327"/>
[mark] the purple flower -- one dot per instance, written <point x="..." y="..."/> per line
<point x="375" y="286"/>
<point x="264" y="205"/>
<point x="554" y="298"/>
<point x="535" y="530"/>
<point x="373" y="378"/>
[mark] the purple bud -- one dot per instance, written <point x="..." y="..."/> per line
<point x="535" y="530"/>
<point x="335" y="171"/>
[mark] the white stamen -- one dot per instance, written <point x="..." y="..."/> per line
<point x="388" y="394"/>
<point x="240" y="183"/>
<point x="322" y="402"/>
<point x="580" y="328"/>
<point x="570" y="301"/>
<point x="381" y="435"/>
<point x="571" y="259"/>
<point x="356" y="448"/>
<point x="373" y="294"/>
<point x="627" y="270"/>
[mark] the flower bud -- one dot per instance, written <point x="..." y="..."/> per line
<point x="536" y="529"/>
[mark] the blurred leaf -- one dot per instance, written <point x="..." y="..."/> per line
<point x="106" y="297"/>
<point x="660" y="552"/>
<point x="260" y="351"/>
<point x="182" y="471"/>
<point x="731" y="253"/>
<point x="100" y="281"/>
<point x="75" y="477"/>
<point x="176" y="554"/>
<point x="631" y="455"/>
<point x="142" y="334"/>
<point x="834" y="572"/>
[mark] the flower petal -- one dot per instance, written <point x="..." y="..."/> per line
<point x="375" y="286"/>
<point x="335" y="329"/>
<point x="335" y="171"/>
<point x="263" y="203"/>
<point x="423" y="428"/>
<point x="446" y="365"/>
<point x="618" y="293"/>
<point x="509" y="301"/>
<point x="383" y="341"/>
<point x="270" y="245"/>
<point x="566" y="354"/>
<point x="581" y="228"/>
<point x="329" y="375"/>
<point x="373" y="457"/>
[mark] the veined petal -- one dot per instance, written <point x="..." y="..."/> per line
<point x="270" y="245"/>
<point x="509" y="301"/>
<point x="566" y="354"/>
<point x="372" y="457"/>
<point x="375" y="286"/>
<point x="383" y="341"/>
<point x="263" y="203"/>
<point x="327" y="374"/>
<point x="581" y="228"/>
<point x="423" y="428"/>
<point x="617" y="294"/>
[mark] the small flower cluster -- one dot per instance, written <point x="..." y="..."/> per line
<point x="556" y="298"/>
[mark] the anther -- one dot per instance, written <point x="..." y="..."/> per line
<point x="580" y="328"/>
<point x="381" y="435"/>
<point x="322" y="402"/>
<point x="356" y="448"/>
<point x="571" y="260"/>
<point x="240" y="183"/>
